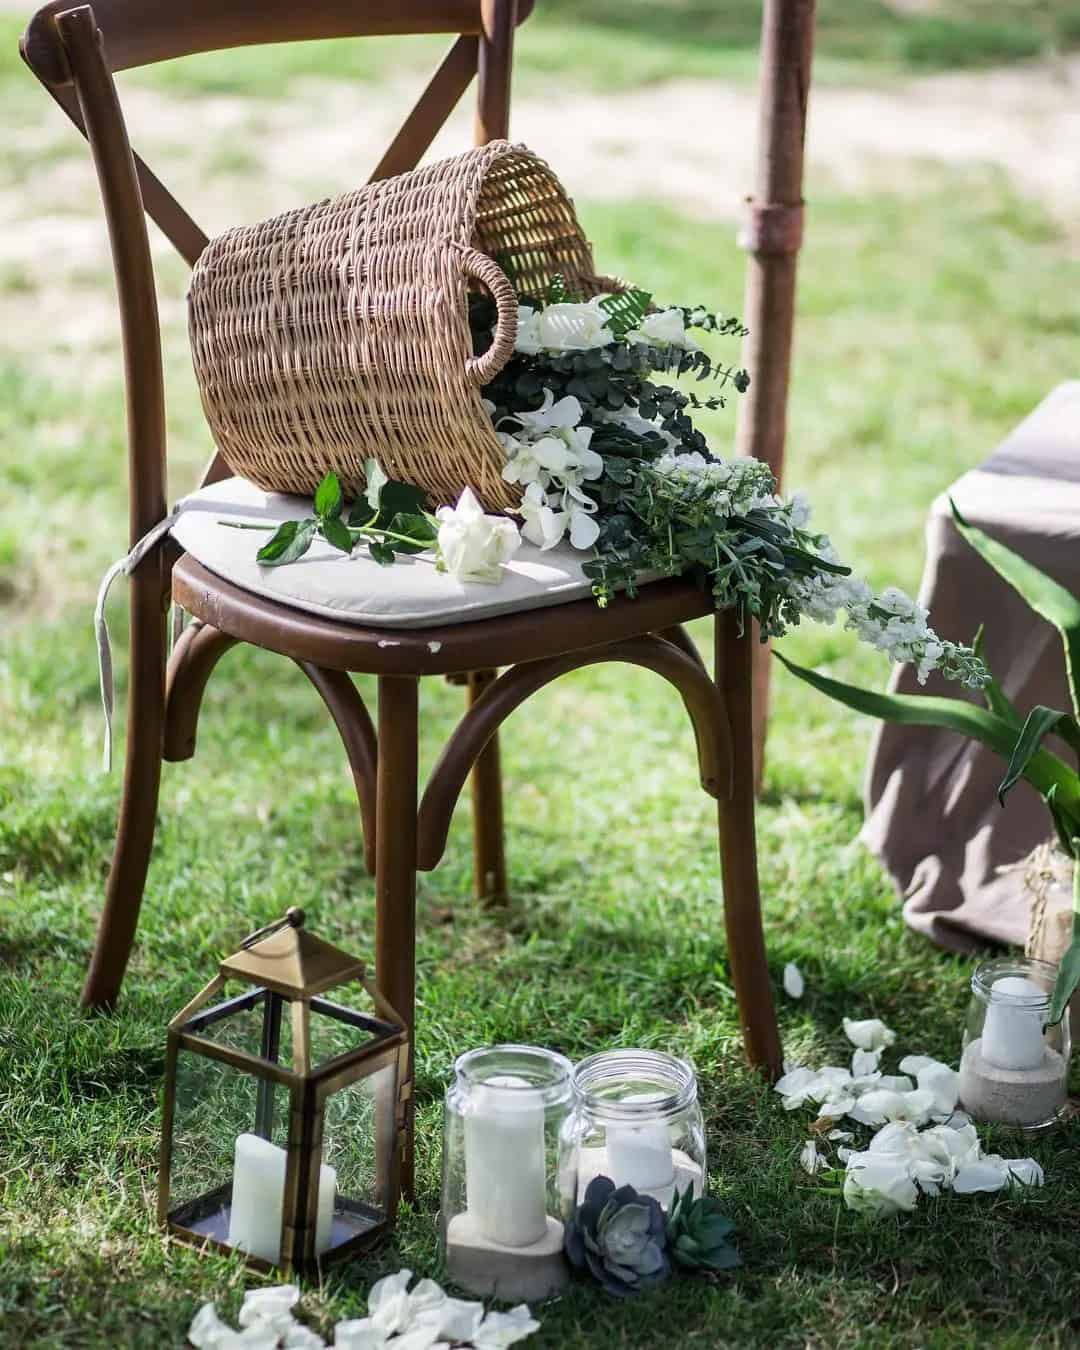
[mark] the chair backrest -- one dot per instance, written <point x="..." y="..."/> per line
<point x="74" y="51"/>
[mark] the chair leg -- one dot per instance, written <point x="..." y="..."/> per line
<point x="138" y="805"/>
<point x="489" y="848"/>
<point x="395" y="866"/>
<point x="738" y="854"/>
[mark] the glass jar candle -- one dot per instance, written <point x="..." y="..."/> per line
<point x="1014" y="1068"/>
<point x="500" y="1227"/>
<point x="636" y="1120"/>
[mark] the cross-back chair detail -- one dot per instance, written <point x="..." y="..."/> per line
<point x="75" y="51"/>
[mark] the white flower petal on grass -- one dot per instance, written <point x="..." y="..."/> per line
<point x="360" y="1333"/>
<point x="810" y="1160"/>
<point x="979" y="1176"/>
<point x="835" y="1108"/>
<point x="499" y="1330"/>
<point x="794" y="984"/>
<point x="388" y="1303"/>
<point x="944" y="1085"/>
<point x="879" y="1185"/>
<point x="869" y="1034"/>
<point x="455" y="1319"/>
<point x="864" y="1062"/>
<point x="898" y="1082"/>
<point x="877" y="1107"/>
<point x="913" y="1063"/>
<point x="207" y="1329"/>
<point x="267" y="1305"/>
<point x="840" y="1136"/>
<point x="300" y="1337"/>
<point x="416" y="1338"/>
<point x="1025" y="1171"/>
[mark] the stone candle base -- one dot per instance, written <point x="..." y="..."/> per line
<point x="1029" y="1098"/>
<point x="516" y="1274"/>
<point x="593" y="1162"/>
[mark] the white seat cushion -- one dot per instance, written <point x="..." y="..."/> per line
<point x="410" y="594"/>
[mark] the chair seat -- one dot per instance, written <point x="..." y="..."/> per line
<point x="543" y="608"/>
<point x="410" y="594"/>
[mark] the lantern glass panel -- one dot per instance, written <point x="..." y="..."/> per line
<point x="216" y="1103"/>
<point x="338" y="1029"/>
<point x="358" y="1130"/>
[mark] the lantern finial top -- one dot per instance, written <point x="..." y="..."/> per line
<point x="287" y="958"/>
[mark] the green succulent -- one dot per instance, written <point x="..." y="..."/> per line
<point x="618" y="1236"/>
<point x="698" y="1234"/>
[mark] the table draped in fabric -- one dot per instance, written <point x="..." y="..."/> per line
<point x="932" y="811"/>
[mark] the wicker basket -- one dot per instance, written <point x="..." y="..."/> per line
<point x="340" y="330"/>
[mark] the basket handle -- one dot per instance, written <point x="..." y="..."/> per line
<point x="482" y="369"/>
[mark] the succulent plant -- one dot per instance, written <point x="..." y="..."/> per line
<point x="619" y="1236"/>
<point x="698" y="1234"/>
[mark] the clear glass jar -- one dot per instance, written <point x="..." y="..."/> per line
<point x="500" y="1228"/>
<point x="636" y="1120"/>
<point x="1014" y="1068"/>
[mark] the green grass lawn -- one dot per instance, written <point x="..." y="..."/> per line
<point x="931" y="320"/>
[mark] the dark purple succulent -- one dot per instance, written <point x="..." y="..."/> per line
<point x="620" y="1236"/>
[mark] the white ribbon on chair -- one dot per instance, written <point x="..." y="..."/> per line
<point x="124" y="567"/>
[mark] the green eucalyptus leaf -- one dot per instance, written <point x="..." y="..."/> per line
<point x="374" y="480"/>
<point x="382" y="552"/>
<point x="337" y="533"/>
<point x="291" y="540"/>
<point x="1046" y="597"/>
<point x="1040" y="722"/>
<point x="328" y="498"/>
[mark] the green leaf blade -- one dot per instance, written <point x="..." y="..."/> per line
<point x="1050" y="600"/>
<point x="1040" y="722"/>
<point x="1068" y="978"/>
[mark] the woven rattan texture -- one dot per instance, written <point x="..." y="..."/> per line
<point x="340" y="330"/>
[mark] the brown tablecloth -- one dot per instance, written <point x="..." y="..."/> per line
<point x="932" y="811"/>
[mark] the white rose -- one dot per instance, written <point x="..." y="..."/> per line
<point x="573" y="328"/>
<point x="474" y="546"/>
<point x="879" y="1185"/>
<point x="665" y="329"/>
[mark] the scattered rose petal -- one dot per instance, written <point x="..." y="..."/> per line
<point x="388" y="1303"/>
<point x="359" y="1334"/>
<point x="810" y="1160"/>
<point x="268" y="1303"/>
<point x="1025" y="1171"/>
<point x="845" y="1153"/>
<point x="834" y="1108"/>
<point x="943" y="1083"/>
<point x="978" y="1176"/>
<point x="457" y="1319"/>
<point x="869" y="1034"/>
<point x="864" y="1062"/>
<point x="794" y="984"/>
<point x="300" y="1337"/>
<point x="207" y="1328"/>
<point x="896" y="1082"/>
<point x="840" y="1136"/>
<point x="499" y="1330"/>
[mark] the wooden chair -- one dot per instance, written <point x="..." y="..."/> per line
<point x="74" y="52"/>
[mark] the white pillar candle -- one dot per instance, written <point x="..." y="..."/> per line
<point x="640" y="1155"/>
<point x="505" y="1172"/>
<point x="258" y="1196"/>
<point x="1012" y="1036"/>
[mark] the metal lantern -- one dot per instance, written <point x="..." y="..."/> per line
<point x="284" y="1111"/>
